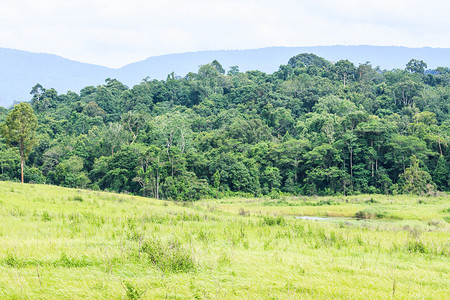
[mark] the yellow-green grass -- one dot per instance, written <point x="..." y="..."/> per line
<point x="58" y="243"/>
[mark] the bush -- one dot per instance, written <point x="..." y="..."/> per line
<point x="272" y="221"/>
<point x="416" y="246"/>
<point x="370" y="214"/>
<point x="168" y="256"/>
<point x="185" y="188"/>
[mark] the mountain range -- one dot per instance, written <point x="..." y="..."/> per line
<point x="21" y="70"/>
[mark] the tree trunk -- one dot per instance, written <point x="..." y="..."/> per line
<point x="351" y="162"/>
<point x="157" y="183"/>
<point x="371" y="163"/>
<point x="22" y="163"/>
<point x="22" y="159"/>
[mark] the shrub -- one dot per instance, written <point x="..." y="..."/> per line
<point x="416" y="246"/>
<point x="272" y="221"/>
<point x="168" y="256"/>
<point x="370" y="214"/>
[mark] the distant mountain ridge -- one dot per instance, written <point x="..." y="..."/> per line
<point x="21" y="70"/>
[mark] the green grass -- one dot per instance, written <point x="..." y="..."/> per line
<point x="58" y="243"/>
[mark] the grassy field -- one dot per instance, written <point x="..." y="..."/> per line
<point x="58" y="243"/>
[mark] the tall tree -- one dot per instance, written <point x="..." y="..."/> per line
<point x="345" y="70"/>
<point x="19" y="131"/>
<point x="416" y="66"/>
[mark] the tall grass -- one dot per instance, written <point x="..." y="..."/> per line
<point x="58" y="243"/>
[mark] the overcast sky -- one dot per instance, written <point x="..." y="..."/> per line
<point x="114" y="32"/>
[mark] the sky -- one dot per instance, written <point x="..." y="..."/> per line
<point x="114" y="33"/>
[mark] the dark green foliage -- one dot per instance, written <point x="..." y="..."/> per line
<point x="76" y="198"/>
<point x="273" y="221"/>
<point x="132" y="292"/>
<point x="441" y="175"/>
<point x="416" y="246"/>
<point x="416" y="181"/>
<point x="72" y="262"/>
<point x="45" y="216"/>
<point x="19" y="129"/>
<point x="169" y="256"/>
<point x="370" y="214"/>
<point x="308" y="59"/>
<point x="313" y="127"/>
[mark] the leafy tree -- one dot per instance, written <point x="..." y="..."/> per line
<point x="311" y="127"/>
<point x="218" y="66"/>
<point x="415" y="180"/>
<point x="308" y="59"/>
<point x="441" y="174"/>
<point x="115" y="136"/>
<point x="403" y="149"/>
<point x="334" y="105"/>
<point x="234" y="70"/>
<point x="9" y="159"/>
<point x="271" y="179"/>
<point x="416" y="66"/>
<point x="345" y="70"/>
<point x="150" y="171"/>
<point x="70" y="173"/>
<point x="406" y="91"/>
<point x="93" y="110"/>
<point x="19" y="131"/>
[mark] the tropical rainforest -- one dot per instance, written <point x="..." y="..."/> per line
<point x="312" y="128"/>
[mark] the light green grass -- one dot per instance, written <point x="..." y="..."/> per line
<point x="58" y="243"/>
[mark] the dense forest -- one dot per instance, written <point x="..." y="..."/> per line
<point x="311" y="128"/>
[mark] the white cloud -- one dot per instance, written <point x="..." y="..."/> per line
<point x="117" y="32"/>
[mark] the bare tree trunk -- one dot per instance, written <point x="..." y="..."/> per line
<point x="22" y="159"/>
<point x="371" y="163"/>
<point x="351" y="162"/>
<point x="157" y="182"/>
<point x="21" y="168"/>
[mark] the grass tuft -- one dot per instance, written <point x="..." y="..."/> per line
<point x="273" y="221"/>
<point x="132" y="292"/>
<point x="76" y="198"/>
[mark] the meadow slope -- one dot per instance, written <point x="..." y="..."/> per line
<point x="59" y="243"/>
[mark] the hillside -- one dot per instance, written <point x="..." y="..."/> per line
<point x="314" y="127"/>
<point x="21" y="70"/>
<point x="60" y="243"/>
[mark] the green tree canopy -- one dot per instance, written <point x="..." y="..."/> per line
<point x="19" y="130"/>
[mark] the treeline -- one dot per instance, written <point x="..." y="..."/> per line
<point x="313" y="127"/>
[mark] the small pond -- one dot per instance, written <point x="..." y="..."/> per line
<point x="311" y="218"/>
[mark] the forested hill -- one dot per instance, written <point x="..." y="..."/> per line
<point x="312" y="127"/>
<point x="20" y="70"/>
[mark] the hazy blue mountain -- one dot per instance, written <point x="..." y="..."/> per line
<point x="269" y="59"/>
<point x="20" y="70"/>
